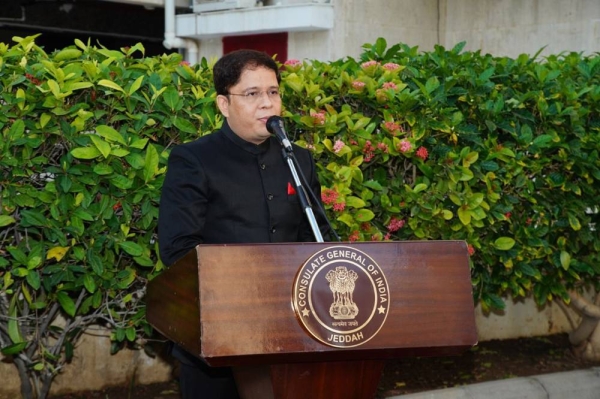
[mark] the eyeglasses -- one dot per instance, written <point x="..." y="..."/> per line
<point x="253" y="96"/>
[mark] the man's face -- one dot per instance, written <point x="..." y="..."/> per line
<point x="247" y="116"/>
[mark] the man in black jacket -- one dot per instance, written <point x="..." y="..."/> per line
<point x="232" y="186"/>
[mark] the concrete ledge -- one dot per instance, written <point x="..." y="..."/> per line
<point x="580" y="384"/>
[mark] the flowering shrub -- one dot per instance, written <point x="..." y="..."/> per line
<point x="502" y="153"/>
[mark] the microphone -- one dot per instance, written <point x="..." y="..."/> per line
<point x="275" y="126"/>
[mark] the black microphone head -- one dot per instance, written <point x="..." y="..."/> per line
<point x="273" y="123"/>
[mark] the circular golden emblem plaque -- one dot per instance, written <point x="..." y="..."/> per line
<point x="341" y="297"/>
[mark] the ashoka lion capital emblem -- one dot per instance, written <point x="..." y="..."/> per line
<point x="330" y="289"/>
<point x="341" y="283"/>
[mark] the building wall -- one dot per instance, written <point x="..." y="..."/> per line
<point x="499" y="27"/>
<point x="358" y="22"/>
<point x="513" y="27"/>
<point x="503" y="28"/>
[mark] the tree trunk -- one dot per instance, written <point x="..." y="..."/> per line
<point x="586" y="337"/>
<point x="26" y="388"/>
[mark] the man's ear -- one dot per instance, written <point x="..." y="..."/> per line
<point x="223" y="104"/>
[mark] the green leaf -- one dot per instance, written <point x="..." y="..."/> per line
<point x="33" y="279"/>
<point x="373" y="184"/>
<point x="419" y="187"/>
<point x="96" y="262"/>
<point x="172" y="98"/>
<point x="13" y="349"/>
<point x="89" y="283"/>
<point x="121" y="182"/>
<point x="574" y="222"/>
<point x="85" y="152"/>
<point x="489" y="166"/>
<point x="364" y="215"/>
<point x="66" y="303"/>
<point x="346" y="218"/>
<point x="111" y="85"/>
<point x="34" y="218"/>
<point x="110" y="134"/>
<point x="16" y="130"/>
<point x="542" y="141"/>
<point x="447" y="215"/>
<point x="354" y="202"/>
<point x="101" y="145"/>
<point x="130" y="334"/>
<point x="131" y="248"/>
<point x="103" y="169"/>
<point x="136" y="85"/>
<point x="565" y="259"/>
<point x="504" y="243"/>
<point x="464" y="215"/>
<point x="54" y="88"/>
<point x="151" y="163"/>
<point x="14" y="332"/>
<point x="184" y="125"/>
<point x="6" y="220"/>
<point x="44" y="119"/>
<point x="67" y="54"/>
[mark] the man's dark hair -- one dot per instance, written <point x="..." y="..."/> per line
<point x="228" y="70"/>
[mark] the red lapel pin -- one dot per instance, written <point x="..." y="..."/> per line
<point x="291" y="189"/>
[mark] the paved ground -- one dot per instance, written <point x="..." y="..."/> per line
<point x="579" y="384"/>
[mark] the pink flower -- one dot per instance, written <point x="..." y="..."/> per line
<point x="404" y="146"/>
<point x="358" y="85"/>
<point x="470" y="249"/>
<point x="339" y="206"/>
<point x="310" y="147"/>
<point x="422" y="153"/>
<point x="368" y="147"/>
<point x="508" y="215"/>
<point x="354" y="236"/>
<point x="353" y="142"/>
<point x="337" y="147"/>
<point x="369" y="156"/>
<point x="329" y="196"/>
<point x="387" y="237"/>
<point x="292" y="62"/>
<point x="390" y="85"/>
<point x="292" y="65"/>
<point x="368" y="64"/>
<point x="390" y="66"/>
<point x="318" y="117"/>
<point x="395" y="224"/>
<point x="391" y="127"/>
<point x="365" y="226"/>
<point x="383" y="147"/>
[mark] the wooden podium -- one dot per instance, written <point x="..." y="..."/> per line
<point x="263" y="309"/>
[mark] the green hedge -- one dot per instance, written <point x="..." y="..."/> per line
<point x="500" y="152"/>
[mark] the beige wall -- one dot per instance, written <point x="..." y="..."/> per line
<point x="360" y="22"/>
<point x="93" y="367"/>
<point x="499" y="27"/>
<point x="513" y="27"/>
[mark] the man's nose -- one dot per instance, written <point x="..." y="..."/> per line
<point x="265" y="100"/>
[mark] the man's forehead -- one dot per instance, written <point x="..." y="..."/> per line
<point x="250" y="75"/>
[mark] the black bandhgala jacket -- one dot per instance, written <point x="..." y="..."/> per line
<point x="221" y="189"/>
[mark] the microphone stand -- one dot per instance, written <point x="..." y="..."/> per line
<point x="304" y="200"/>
